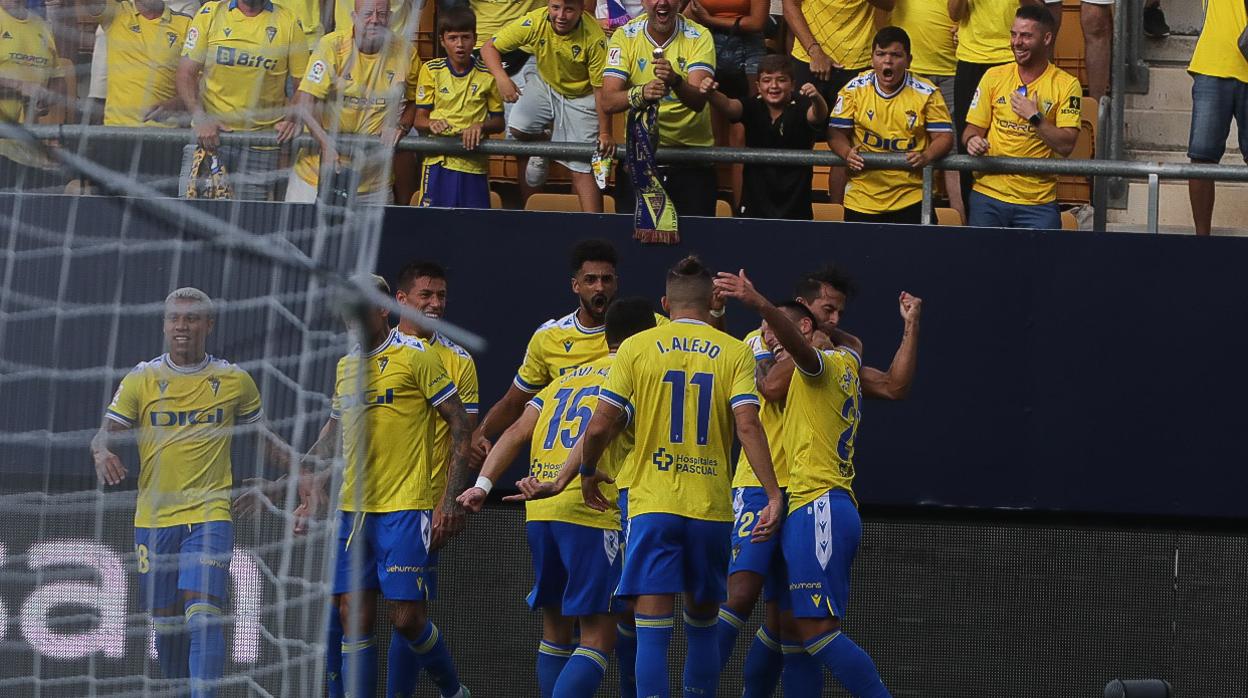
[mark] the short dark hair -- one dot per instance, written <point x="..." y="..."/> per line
<point x="1039" y="14"/>
<point x="797" y="311"/>
<point x="417" y="269"/>
<point x="689" y="283"/>
<point x="891" y="35"/>
<point x="776" y="63"/>
<point x="626" y="317"/>
<point x="830" y="274"/>
<point x="458" y="18"/>
<point x="594" y="250"/>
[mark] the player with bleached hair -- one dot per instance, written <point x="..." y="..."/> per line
<point x="185" y="406"/>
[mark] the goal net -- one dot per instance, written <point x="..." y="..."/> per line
<point x="83" y="282"/>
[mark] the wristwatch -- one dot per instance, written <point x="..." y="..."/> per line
<point x="1035" y="119"/>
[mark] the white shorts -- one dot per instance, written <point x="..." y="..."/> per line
<point x="1100" y="2"/>
<point x="299" y="191"/>
<point x="98" y="88"/>
<point x="571" y="119"/>
<point x="521" y="78"/>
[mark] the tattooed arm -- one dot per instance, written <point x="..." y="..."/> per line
<point x="448" y="518"/>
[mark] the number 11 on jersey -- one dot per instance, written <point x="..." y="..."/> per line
<point x="705" y="383"/>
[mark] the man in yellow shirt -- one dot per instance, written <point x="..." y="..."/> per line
<point x="457" y="96"/>
<point x="565" y="94"/>
<point x="664" y="57"/>
<point x="888" y="110"/>
<point x="577" y="549"/>
<point x="360" y="80"/>
<point x="983" y="42"/>
<point x="1028" y="109"/>
<point x="185" y="406"/>
<point x="1219" y="94"/>
<point x="236" y="61"/>
<point x="385" y="422"/>
<point x="691" y="388"/>
<point x="30" y="79"/>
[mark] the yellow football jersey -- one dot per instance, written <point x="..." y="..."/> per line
<point x="842" y="28"/>
<point x="820" y="422"/>
<point x="683" y="380"/>
<point x="630" y="57"/>
<point x="1061" y="101"/>
<point x="493" y="15"/>
<point x="558" y="346"/>
<point x="185" y="416"/>
<point x="771" y="414"/>
<point x="564" y="410"/>
<point x="400" y="14"/>
<point x="246" y="62"/>
<point x="931" y="35"/>
<point x="1215" y="53"/>
<point x="462" y="99"/>
<point x="29" y="55"/>
<point x="984" y="32"/>
<point x="888" y="123"/>
<point x="142" y="60"/>
<point x="362" y="92"/>
<point x="462" y="370"/>
<point x="308" y="12"/>
<point x="397" y="407"/>
<point x="571" y="64"/>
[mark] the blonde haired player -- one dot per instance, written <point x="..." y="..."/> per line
<point x="185" y="405"/>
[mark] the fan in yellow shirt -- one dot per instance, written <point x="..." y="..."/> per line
<point x="889" y="110"/>
<point x="831" y="40"/>
<point x="576" y="548"/>
<point x="1219" y="84"/>
<point x="360" y="80"/>
<point x="564" y="97"/>
<point x="236" y="61"/>
<point x="663" y="57"/>
<point x="1029" y="109"/>
<point x="30" y="77"/>
<point x="144" y="40"/>
<point x="457" y="96"/>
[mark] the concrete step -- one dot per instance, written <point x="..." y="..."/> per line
<point x="1143" y="155"/>
<point x="1230" y="210"/>
<point x="1174" y="50"/>
<point x="1168" y="88"/>
<point x="1155" y="129"/>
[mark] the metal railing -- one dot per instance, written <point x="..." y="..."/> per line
<point x="1154" y="172"/>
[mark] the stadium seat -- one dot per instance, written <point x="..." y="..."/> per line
<point x="723" y="209"/>
<point x="1069" y="222"/>
<point x="1068" y="49"/>
<point x="948" y="216"/>
<point x="426" y="33"/>
<point x="543" y="201"/>
<point x="820" y="173"/>
<point x="1074" y="189"/>
<point x="828" y="212"/>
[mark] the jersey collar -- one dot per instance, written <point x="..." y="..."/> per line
<point x="576" y="321"/>
<point x="680" y="27"/>
<point x="186" y="369"/>
<point x="690" y="321"/>
<point x="390" y="339"/>
<point x="268" y="5"/>
<point x="905" y="80"/>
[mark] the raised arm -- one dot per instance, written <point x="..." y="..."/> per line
<point x="720" y="102"/>
<point x="790" y="337"/>
<point x="774" y="384"/>
<point x="895" y="383"/>
<point x="501" y="415"/>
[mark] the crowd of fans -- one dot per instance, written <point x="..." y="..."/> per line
<point x="923" y="78"/>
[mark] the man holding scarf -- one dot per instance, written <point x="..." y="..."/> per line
<point x="660" y="59"/>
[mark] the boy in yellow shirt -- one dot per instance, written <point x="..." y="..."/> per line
<point x="457" y="96"/>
